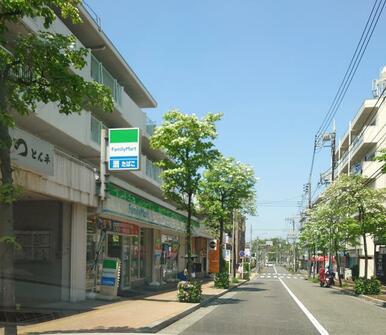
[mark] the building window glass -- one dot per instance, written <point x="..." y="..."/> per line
<point x="142" y="265"/>
<point x="135" y="247"/>
<point x="169" y="257"/>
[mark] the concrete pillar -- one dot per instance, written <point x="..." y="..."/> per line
<point x="78" y="252"/>
<point x="66" y="250"/>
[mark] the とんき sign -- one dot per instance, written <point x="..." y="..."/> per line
<point x="123" y="149"/>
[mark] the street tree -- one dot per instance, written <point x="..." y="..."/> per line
<point x="226" y="187"/>
<point x="187" y="141"/>
<point x="335" y="228"/>
<point x="362" y="207"/>
<point x="36" y="68"/>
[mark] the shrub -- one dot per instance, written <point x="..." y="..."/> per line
<point x="221" y="280"/>
<point x="246" y="271"/>
<point x="235" y="280"/>
<point x="189" y="291"/>
<point x="314" y="280"/>
<point x="367" y="286"/>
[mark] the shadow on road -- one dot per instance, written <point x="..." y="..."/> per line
<point x="249" y="289"/>
<point x="224" y="301"/>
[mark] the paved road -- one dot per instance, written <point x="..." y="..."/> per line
<point x="267" y="306"/>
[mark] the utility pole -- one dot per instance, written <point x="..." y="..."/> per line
<point x="234" y="244"/>
<point x="333" y="145"/>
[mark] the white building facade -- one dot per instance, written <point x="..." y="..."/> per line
<point x="364" y="139"/>
<point x="65" y="229"/>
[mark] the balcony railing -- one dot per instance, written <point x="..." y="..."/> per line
<point x="101" y="75"/>
<point x="150" y="127"/>
<point x="95" y="129"/>
<point x="355" y="144"/>
<point x="153" y="171"/>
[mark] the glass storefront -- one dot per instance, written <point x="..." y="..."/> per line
<point x="169" y="257"/>
<point x="112" y="239"/>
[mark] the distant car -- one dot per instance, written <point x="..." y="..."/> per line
<point x="269" y="264"/>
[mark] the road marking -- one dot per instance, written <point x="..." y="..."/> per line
<point x="288" y="277"/>
<point x="268" y="276"/>
<point x="308" y="314"/>
<point x="274" y="268"/>
<point x="262" y="276"/>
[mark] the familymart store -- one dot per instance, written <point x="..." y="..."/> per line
<point x="146" y="239"/>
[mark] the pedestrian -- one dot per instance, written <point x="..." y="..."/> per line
<point x="322" y="275"/>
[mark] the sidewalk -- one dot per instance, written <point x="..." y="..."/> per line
<point x="132" y="315"/>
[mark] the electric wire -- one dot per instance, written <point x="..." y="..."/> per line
<point x="335" y="106"/>
<point x="347" y="70"/>
<point x="349" y="75"/>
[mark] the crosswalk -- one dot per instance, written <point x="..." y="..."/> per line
<point x="279" y="275"/>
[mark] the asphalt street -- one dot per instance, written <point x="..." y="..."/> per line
<point x="283" y="304"/>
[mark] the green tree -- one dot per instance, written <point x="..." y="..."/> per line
<point x="35" y="68"/>
<point x="187" y="142"/>
<point x="362" y="207"/>
<point x="226" y="187"/>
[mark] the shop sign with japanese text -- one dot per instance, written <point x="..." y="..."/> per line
<point x="32" y="153"/>
<point x="124" y="149"/>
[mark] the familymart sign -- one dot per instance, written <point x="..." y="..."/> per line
<point x="123" y="149"/>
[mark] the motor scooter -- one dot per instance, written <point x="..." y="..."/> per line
<point x="329" y="280"/>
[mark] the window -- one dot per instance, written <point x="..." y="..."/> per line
<point x="100" y="74"/>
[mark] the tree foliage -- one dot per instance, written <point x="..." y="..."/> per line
<point x="227" y="186"/>
<point x="36" y="67"/>
<point x="348" y="210"/>
<point x="187" y="141"/>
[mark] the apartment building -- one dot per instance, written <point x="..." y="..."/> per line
<point x="65" y="229"/>
<point x="365" y="137"/>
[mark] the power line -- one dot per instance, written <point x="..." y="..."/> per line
<point x="353" y="66"/>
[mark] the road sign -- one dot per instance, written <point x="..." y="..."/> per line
<point x="124" y="150"/>
<point x="242" y="253"/>
<point x="213" y="245"/>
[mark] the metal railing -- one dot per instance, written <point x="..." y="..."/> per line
<point x="150" y="126"/>
<point x="153" y="171"/>
<point x="95" y="129"/>
<point x="101" y="75"/>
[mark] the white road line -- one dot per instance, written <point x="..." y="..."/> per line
<point x="288" y="277"/>
<point x="268" y="276"/>
<point x="262" y="276"/>
<point x="308" y="314"/>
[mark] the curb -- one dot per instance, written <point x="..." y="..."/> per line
<point x="375" y="301"/>
<point x="161" y="324"/>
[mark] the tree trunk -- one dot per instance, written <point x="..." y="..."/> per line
<point x="365" y="251"/>
<point x="338" y="263"/>
<point x="189" y="236"/>
<point x="222" y="262"/>
<point x="315" y="263"/>
<point x="7" y="282"/>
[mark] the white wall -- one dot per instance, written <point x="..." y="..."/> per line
<point x="78" y="253"/>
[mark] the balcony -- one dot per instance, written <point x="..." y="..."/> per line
<point x="365" y="140"/>
<point x="101" y="75"/>
<point x="153" y="171"/>
<point x="150" y="127"/>
<point x="342" y="163"/>
<point x="96" y="127"/>
<point x="371" y="168"/>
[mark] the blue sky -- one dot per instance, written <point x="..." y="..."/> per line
<point x="272" y="68"/>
